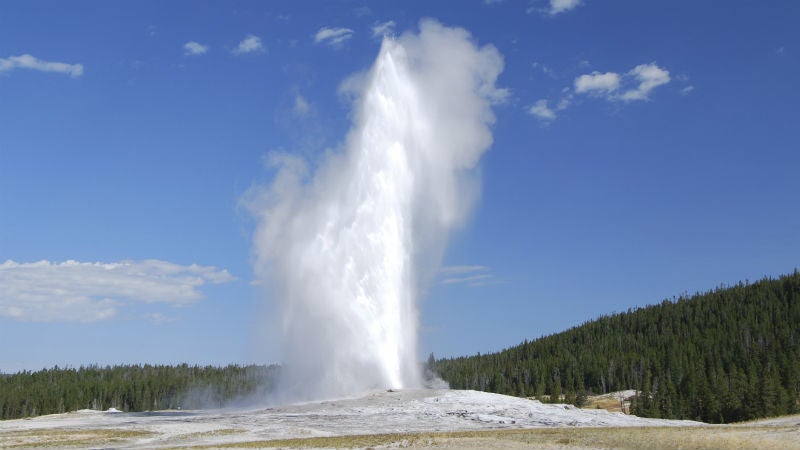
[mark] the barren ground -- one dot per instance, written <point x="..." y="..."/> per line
<point x="409" y="418"/>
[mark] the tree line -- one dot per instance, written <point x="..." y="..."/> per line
<point x="131" y="388"/>
<point x="726" y="355"/>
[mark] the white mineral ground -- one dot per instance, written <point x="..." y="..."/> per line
<point x="376" y="412"/>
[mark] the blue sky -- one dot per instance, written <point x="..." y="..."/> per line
<point x="646" y="149"/>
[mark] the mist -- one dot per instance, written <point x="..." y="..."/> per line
<point x="346" y="246"/>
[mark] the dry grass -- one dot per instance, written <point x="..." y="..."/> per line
<point x="739" y="437"/>
<point x="781" y="436"/>
<point x="614" y="402"/>
<point x="607" y="403"/>
<point x="688" y="438"/>
<point x="656" y="438"/>
<point x="67" y="438"/>
<point x="356" y="441"/>
<point x="212" y="433"/>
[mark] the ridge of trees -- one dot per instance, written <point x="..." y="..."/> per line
<point x="131" y="388"/>
<point x="726" y="355"/>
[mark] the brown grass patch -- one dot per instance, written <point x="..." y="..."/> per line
<point x="66" y="438"/>
<point x="721" y="437"/>
<point x="607" y="403"/>
<point x="655" y="438"/>
<point x="212" y="433"/>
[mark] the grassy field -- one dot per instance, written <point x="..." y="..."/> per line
<point x="729" y="437"/>
<point x="60" y="438"/>
<point x="690" y="438"/>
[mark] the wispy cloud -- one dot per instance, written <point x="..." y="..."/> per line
<point x="471" y="276"/>
<point x="560" y="6"/>
<point x="381" y="29"/>
<point x="362" y="11"/>
<point x="641" y="80"/>
<point x="74" y="291"/>
<point x="636" y="84"/>
<point x="544" y="69"/>
<point x="553" y="8"/>
<point x="27" y="61"/>
<point x="541" y="111"/>
<point x="301" y="107"/>
<point x="158" y="318"/>
<point x="334" y="37"/>
<point x="249" y="44"/>
<point x="460" y="270"/>
<point x="193" y="48"/>
<point x="649" y="76"/>
<point x="566" y="100"/>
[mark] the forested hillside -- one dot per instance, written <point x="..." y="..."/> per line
<point x="723" y="356"/>
<point x="130" y="388"/>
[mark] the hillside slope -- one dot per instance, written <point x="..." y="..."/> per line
<point x="723" y="356"/>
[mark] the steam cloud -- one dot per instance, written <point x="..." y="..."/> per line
<point x="348" y="247"/>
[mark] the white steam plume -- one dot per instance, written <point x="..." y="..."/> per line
<point x="348" y="249"/>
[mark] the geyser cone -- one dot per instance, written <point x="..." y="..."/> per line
<point x="346" y="251"/>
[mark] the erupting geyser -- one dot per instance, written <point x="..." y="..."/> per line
<point x="348" y="246"/>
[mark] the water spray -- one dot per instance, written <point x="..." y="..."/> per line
<point x="348" y="250"/>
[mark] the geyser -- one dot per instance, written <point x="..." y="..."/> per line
<point x="348" y="245"/>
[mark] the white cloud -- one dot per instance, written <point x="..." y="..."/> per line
<point x="459" y="270"/>
<point x="249" y="44"/>
<point x="362" y="11"/>
<point x="649" y="76"/>
<point x="686" y="90"/>
<point x="559" y="6"/>
<point x="564" y="102"/>
<point x="30" y="62"/>
<point x="383" y="29"/>
<point x="74" y="291"/>
<point x="636" y="84"/>
<point x="333" y="36"/>
<point x="545" y="70"/>
<point x="158" y="318"/>
<point x="597" y="83"/>
<point x="194" y="48"/>
<point x="480" y="279"/>
<point x="471" y="276"/>
<point x="301" y="106"/>
<point x="639" y="81"/>
<point x="541" y="111"/>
